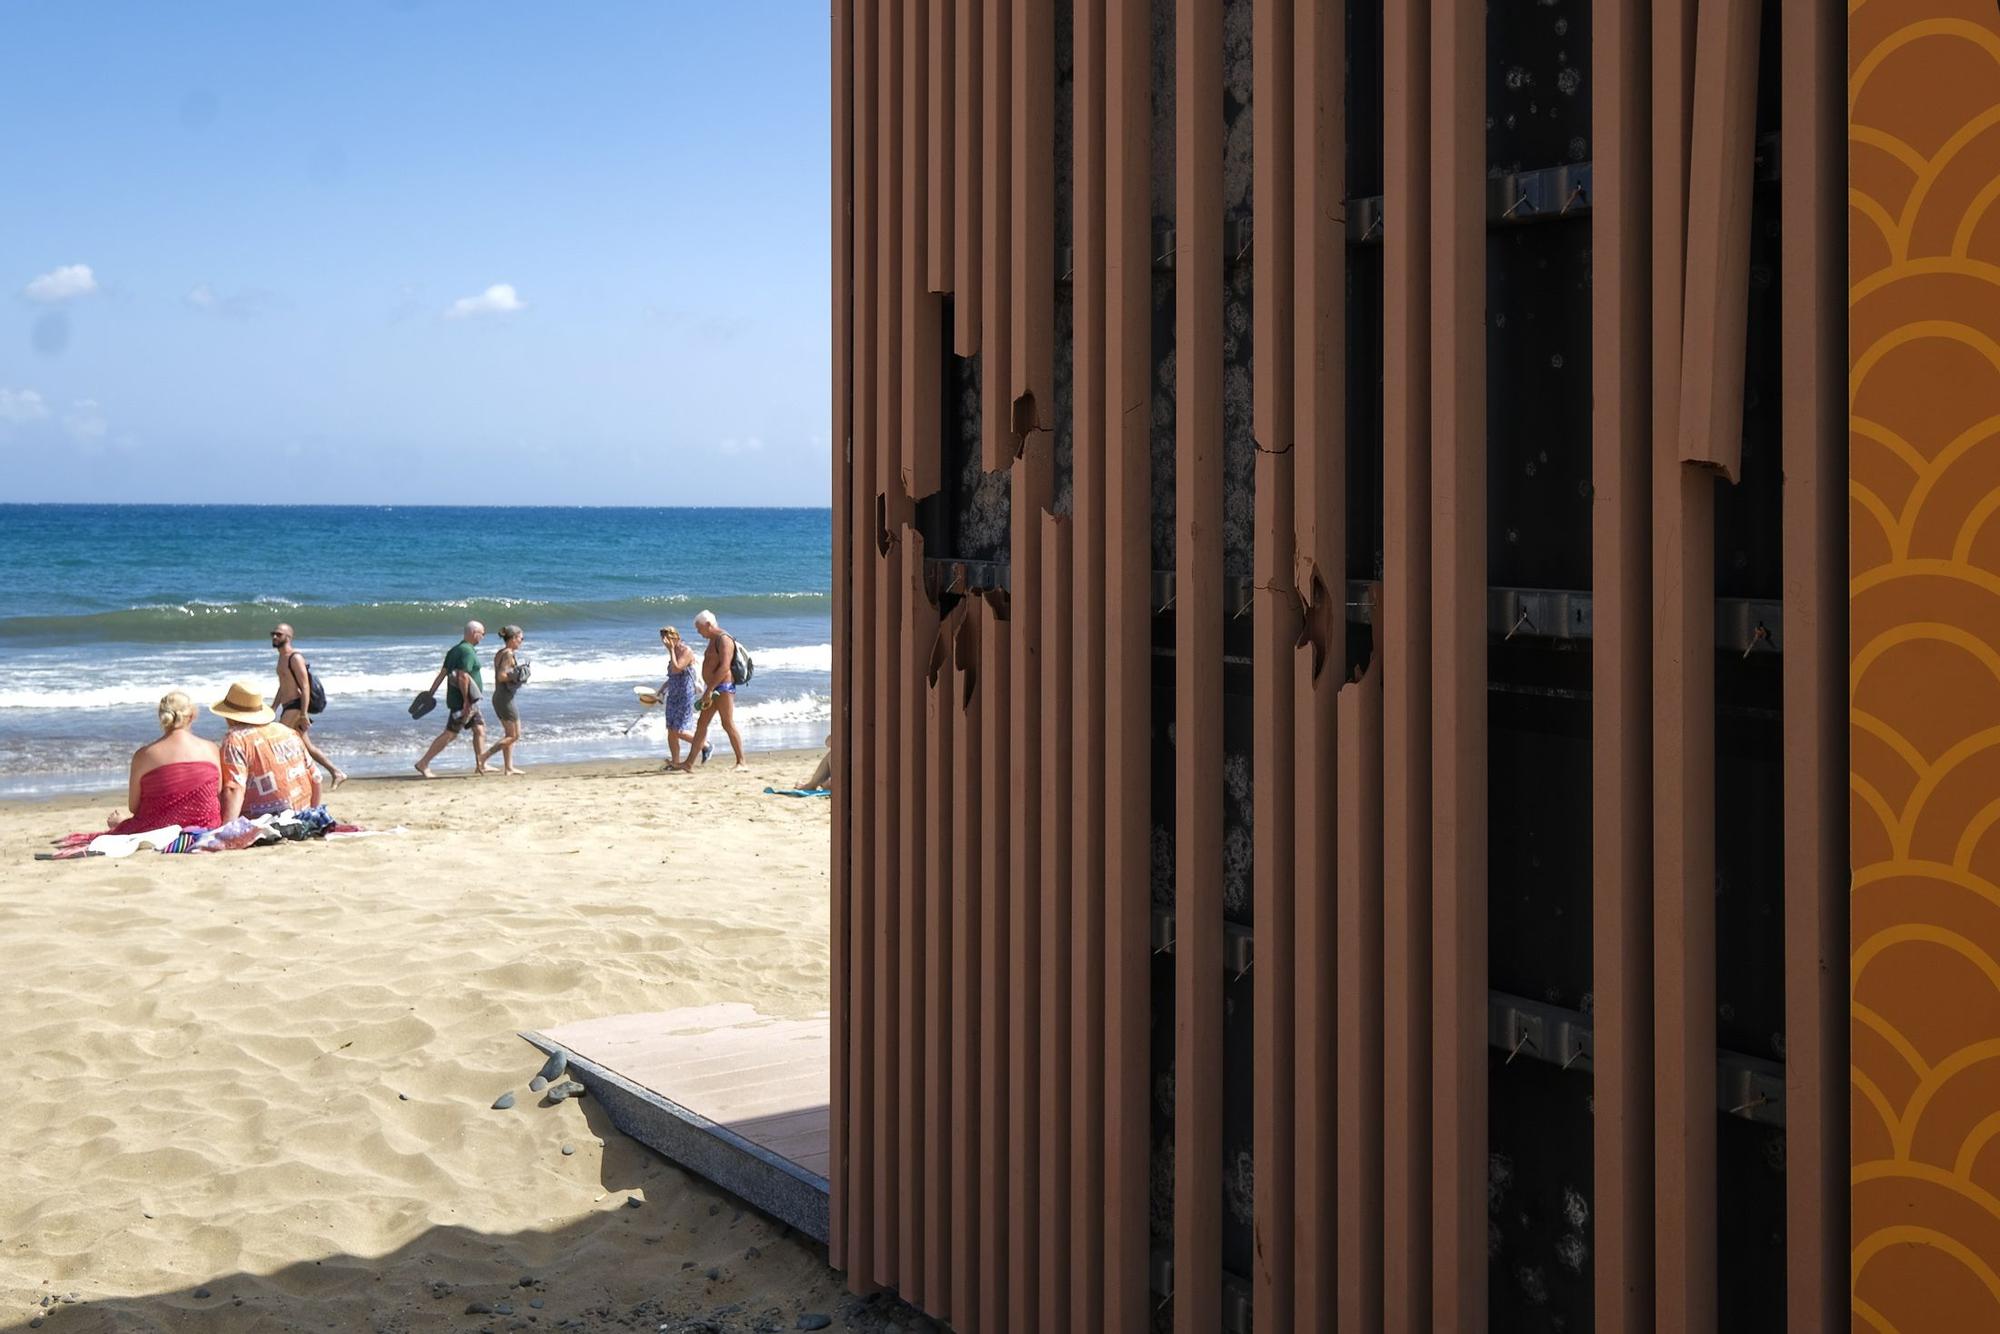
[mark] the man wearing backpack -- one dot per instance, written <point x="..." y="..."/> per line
<point x="297" y="700"/>
<point x="719" y="679"/>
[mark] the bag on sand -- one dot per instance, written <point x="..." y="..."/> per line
<point x="740" y="666"/>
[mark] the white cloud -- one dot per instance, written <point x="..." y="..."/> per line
<point x="85" y="421"/>
<point x="499" y="299"/>
<point x="63" y="284"/>
<point x="747" y="445"/>
<point x="22" y="405"/>
<point x="202" y="296"/>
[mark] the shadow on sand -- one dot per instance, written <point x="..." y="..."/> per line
<point x="665" y="1251"/>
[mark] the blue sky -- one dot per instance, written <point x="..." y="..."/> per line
<point x="415" y="251"/>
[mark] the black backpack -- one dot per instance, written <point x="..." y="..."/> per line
<point x="316" y="697"/>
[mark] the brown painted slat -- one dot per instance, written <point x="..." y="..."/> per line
<point x="1812" y="281"/>
<point x="1319" y="520"/>
<point x="967" y="175"/>
<point x="1086" y="746"/>
<point x="923" y="311"/>
<point x="1683" y="743"/>
<point x="1274" y="625"/>
<point x="1128" y="666"/>
<point x="1621" y="674"/>
<point x="1458" y="662"/>
<point x="995" y="660"/>
<point x="1034" y="478"/>
<point x="913" y="1073"/>
<point x="1716" y="314"/>
<point x="887" y="1035"/>
<point x="1032" y="264"/>
<point x="1197" y="666"/>
<point x="941" y="220"/>
<point x="842" y="76"/>
<point x="1359" y="969"/>
<point x="858" y="1147"/>
<point x="940" y="1020"/>
<point x="1406" y="684"/>
<point x="996" y="340"/>
<point x="1054" y="773"/>
<point x="967" y="955"/>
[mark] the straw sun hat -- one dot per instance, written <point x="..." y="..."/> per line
<point x="243" y="704"/>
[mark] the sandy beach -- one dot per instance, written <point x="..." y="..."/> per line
<point x="252" y="1090"/>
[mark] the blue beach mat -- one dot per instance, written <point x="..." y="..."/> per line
<point x="798" y="791"/>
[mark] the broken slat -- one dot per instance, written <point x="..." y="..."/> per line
<point x="920" y="626"/>
<point x="1458" y="658"/>
<point x="1087" y="746"/>
<point x="1274" y="627"/>
<point x="941" y="1052"/>
<point x="996" y="849"/>
<point x="996" y="161"/>
<point x="1621" y="674"/>
<point x="1721" y="167"/>
<point x="1358" y="969"/>
<point x="1128" y="663"/>
<point x="1406" y="650"/>
<point x="967" y="957"/>
<point x="1198" y="753"/>
<point x="1031" y="389"/>
<point x="1813" y="280"/>
<point x="1052" y="1113"/>
<point x="967" y="176"/>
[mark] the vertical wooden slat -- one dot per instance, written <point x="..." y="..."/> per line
<point x="1032" y="192"/>
<point x="1128" y="663"/>
<point x="1406" y="683"/>
<point x="913" y="1075"/>
<point x="1033" y="476"/>
<point x="1197" y="666"/>
<point x="860" y="1144"/>
<point x="1458" y="657"/>
<point x="887" y="1035"/>
<point x="1683" y="742"/>
<point x="1813" y="280"/>
<point x="1621" y="674"/>
<point x="941" y="1053"/>
<point x="1359" y="970"/>
<point x="841" y="777"/>
<point x="967" y="175"/>
<point x="941" y="219"/>
<point x="996" y="849"/>
<point x="1274" y="624"/>
<point x="1055" y="775"/>
<point x="923" y="312"/>
<point x="1319" y="578"/>
<point x="967" y="955"/>
<point x="1721" y="163"/>
<point x="1087" y="867"/>
<point x="996" y="340"/>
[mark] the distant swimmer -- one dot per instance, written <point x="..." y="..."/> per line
<point x="296" y="701"/>
<point x="461" y="669"/>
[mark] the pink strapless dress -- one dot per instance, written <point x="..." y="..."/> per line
<point x="187" y="793"/>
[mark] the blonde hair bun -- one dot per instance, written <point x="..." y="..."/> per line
<point x="176" y="711"/>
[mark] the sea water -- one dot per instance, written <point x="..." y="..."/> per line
<point x="105" y="608"/>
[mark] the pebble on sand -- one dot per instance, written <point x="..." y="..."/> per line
<point x="504" y="1101"/>
<point x="535" y="1302"/>
<point x="555" y="1065"/>
<point x="202" y="1294"/>
<point x="568" y="1149"/>
<point x="570" y="1088"/>
<point x="814" y="1320"/>
<point x="537" y="1084"/>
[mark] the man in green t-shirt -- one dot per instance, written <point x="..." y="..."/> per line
<point x="461" y="669"/>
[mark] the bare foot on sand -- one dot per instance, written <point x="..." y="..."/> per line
<point x="515" y="770"/>
<point x="335" y="778"/>
<point x="423" y="772"/>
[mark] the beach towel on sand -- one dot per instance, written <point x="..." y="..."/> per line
<point x="799" y="791"/>
<point x="124" y="845"/>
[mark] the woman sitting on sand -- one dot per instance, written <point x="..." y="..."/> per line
<point x="677" y="694"/>
<point x="175" y="780"/>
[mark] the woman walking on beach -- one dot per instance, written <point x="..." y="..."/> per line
<point x="677" y="695"/>
<point x="510" y="673"/>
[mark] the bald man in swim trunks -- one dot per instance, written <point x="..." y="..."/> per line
<point x="293" y="697"/>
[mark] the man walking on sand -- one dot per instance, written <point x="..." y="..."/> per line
<point x="461" y="668"/>
<point x="294" y="700"/>
<point x="718" y="689"/>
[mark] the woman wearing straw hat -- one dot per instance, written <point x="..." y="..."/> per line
<point x="265" y="768"/>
